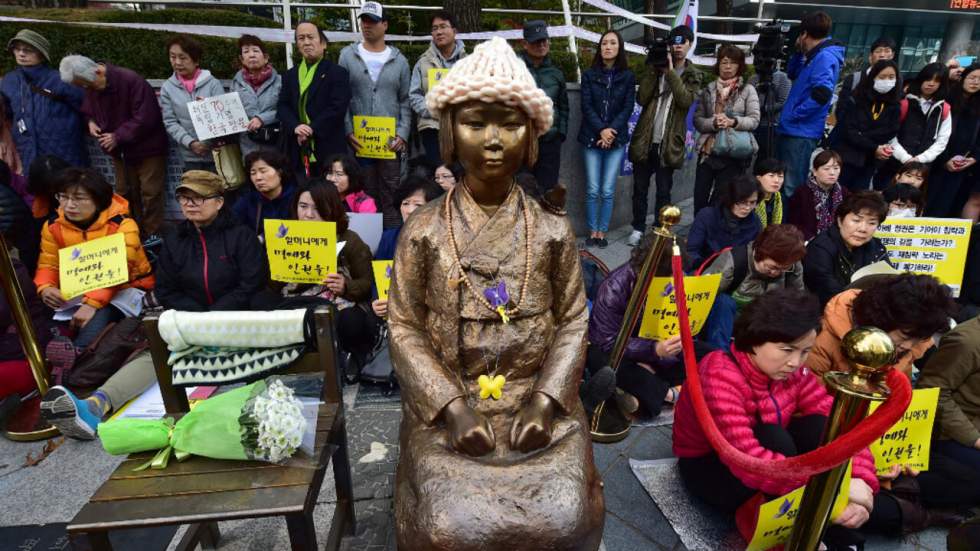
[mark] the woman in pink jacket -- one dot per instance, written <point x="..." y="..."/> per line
<point x="344" y="172"/>
<point x="768" y="404"/>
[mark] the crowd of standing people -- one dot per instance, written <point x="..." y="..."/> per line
<point x="785" y="213"/>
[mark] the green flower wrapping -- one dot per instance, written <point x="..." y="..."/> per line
<point x="226" y="426"/>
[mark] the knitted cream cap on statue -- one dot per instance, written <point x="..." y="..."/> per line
<point x="493" y="74"/>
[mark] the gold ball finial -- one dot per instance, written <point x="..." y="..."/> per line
<point x="869" y="349"/>
<point x="670" y="215"/>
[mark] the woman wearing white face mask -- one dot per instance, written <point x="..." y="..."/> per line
<point x="873" y="120"/>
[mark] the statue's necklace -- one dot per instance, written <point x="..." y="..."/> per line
<point x="495" y="297"/>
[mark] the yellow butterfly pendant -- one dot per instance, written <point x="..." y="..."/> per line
<point x="491" y="387"/>
<point x="503" y="314"/>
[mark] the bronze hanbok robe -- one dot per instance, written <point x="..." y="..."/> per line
<point x="443" y="339"/>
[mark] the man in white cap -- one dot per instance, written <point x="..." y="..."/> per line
<point x="380" y="81"/>
<point x="45" y="110"/>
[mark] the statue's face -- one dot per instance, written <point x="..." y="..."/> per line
<point x="491" y="139"/>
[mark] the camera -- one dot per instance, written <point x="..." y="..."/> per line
<point x="658" y="53"/>
<point x="770" y="48"/>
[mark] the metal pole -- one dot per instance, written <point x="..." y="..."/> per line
<point x="571" y="39"/>
<point x="869" y="351"/>
<point x="287" y="25"/>
<point x="762" y="4"/>
<point x="23" y="425"/>
<point x="607" y="424"/>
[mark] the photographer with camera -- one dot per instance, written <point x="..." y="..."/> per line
<point x="667" y="90"/>
<point x="814" y="70"/>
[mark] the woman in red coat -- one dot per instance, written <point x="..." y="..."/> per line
<point x="767" y="404"/>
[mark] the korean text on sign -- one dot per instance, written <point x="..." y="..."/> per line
<point x="933" y="246"/>
<point x="218" y="116"/>
<point x="92" y="265"/>
<point x="300" y="251"/>
<point x="374" y="133"/>
<point x="776" y="517"/>
<point x="382" y="277"/>
<point x="907" y="442"/>
<point x="660" y="311"/>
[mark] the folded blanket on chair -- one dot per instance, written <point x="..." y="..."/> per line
<point x="228" y="347"/>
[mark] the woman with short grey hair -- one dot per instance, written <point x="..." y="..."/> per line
<point x="258" y="84"/>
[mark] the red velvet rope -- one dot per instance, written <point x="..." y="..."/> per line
<point x="790" y="468"/>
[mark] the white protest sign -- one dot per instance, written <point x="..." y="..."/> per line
<point x="218" y="116"/>
<point x="367" y="226"/>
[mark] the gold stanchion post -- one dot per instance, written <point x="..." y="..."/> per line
<point x="608" y="424"/>
<point x="869" y="351"/>
<point x="26" y="424"/>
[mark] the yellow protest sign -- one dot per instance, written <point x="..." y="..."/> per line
<point x="373" y="133"/>
<point x="933" y="246"/>
<point x="435" y="75"/>
<point x="382" y="277"/>
<point x="92" y="265"/>
<point x="907" y="442"/>
<point x="660" y="310"/>
<point x="301" y="251"/>
<point x="776" y="517"/>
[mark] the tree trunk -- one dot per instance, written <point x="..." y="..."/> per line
<point x="725" y="10"/>
<point x="657" y="7"/>
<point x="467" y="14"/>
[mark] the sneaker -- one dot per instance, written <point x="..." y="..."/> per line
<point x="73" y="417"/>
<point x="634" y="238"/>
<point x="590" y="241"/>
<point x="152" y="240"/>
<point x="602" y="243"/>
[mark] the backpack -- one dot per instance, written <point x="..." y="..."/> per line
<point x="115" y="346"/>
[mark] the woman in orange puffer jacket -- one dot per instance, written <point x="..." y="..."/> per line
<point x="89" y="210"/>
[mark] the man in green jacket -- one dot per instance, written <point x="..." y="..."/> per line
<point x="954" y="466"/>
<point x="657" y="146"/>
<point x="550" y="79"/>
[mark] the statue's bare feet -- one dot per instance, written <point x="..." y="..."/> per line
<point x="532" y="426"/>
<point x="469" y="432"/>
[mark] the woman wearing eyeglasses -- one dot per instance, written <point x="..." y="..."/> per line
<point x="89" y="210"/>
<point x="210" y="261"/>
<point x="729" y="223"/>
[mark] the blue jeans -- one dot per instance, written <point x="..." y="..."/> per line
<point x="601" y="171"/>
<point x="795" y="153"/>
<point x="102" y="318"/>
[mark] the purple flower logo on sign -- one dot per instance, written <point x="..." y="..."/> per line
<point x="75" y="253"/>
<point x="388" y="272"/>
<point x="667" y="290"/>
<point x="283" y="230"/>
<point x="784" y="507"/>
<point x="363" y="123"/>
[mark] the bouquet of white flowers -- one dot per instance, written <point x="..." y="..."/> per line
<point x="261" y="421"/>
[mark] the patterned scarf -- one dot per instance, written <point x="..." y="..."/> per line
<point x="724" y="90"/>
<point x="824" y="211"/>
<point x="777" y="210"/>
<point x="256" y="81"/>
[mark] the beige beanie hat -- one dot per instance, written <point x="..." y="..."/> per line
<point x="493" y="73"/>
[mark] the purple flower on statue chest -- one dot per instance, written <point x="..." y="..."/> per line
<point x="497" y="295"/>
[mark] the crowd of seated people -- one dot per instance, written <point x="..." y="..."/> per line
<point x="790" y="228"/>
